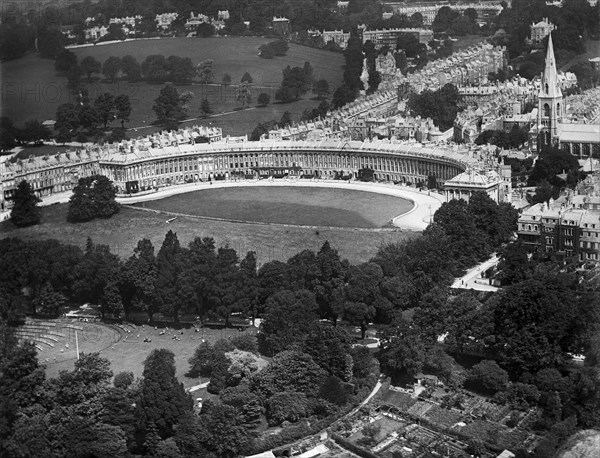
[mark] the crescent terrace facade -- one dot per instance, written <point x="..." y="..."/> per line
<point x="170" y="159"/>
<point x="134" y="170"/>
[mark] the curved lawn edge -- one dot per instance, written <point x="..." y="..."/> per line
<point x="425" y="203"/>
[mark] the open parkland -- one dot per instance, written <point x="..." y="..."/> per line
<point x="270" y="241"/>
<point x="406" y="210"/>
<point x="32" y="89"/>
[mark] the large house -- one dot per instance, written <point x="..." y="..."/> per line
<point x="540" y="31"/>
<point x="568" y="227"/>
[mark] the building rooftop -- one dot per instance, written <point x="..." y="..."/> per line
<point x="580" y="133"/>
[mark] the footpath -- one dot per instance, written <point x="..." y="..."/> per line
<point x="473" y="278"/>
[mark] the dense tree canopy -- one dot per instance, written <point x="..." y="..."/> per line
<point x="25" y="211"/>
<point x="440" y="105"/>
<point x="93" y="197"/>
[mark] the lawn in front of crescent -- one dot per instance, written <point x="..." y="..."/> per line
<point x="288" y="205"/>
<point x="270" y="242"/>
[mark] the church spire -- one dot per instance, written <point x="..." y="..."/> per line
<point x="550" y="87"/>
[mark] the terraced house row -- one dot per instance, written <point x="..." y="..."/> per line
<point x="195" y="154"/>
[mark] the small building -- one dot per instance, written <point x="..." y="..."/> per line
<point x="465" y="184"/>
<point x="389" y="37"/>
<point x="196" y="20"/>
<point x="95" y="33"/>
<point x="163" y="21"/>
<point x="540" y="31"/>
<point x="339" y="37"/>
<point x="281" y="25"/>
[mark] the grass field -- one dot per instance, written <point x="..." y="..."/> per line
<point x="299" y="206"/>
<point x="466" y="42"/>
<point x="124" y="230"/>
<point x="128" y="354"/>
<point x="31" y="88"/>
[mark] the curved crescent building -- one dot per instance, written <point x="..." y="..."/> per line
<point x="142" y="169"/>
<point x="191" y="155"/>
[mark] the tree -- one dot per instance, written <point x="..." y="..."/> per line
<point x="111" y="67"/>
<point x="402" y="351"/>
<point x="469" y="243"/>
<point x="184" y="99"/>
<point x="489" y="376"/>
<point x="353" y="56"/>
<point x="343" y="95"/>
<point x="262" y="128"/>
<point x="89" y="65"/>
<point x="167" y="107"/>
<point x="168" y="269"/>
<point x="205" y="30"/>
<point x="163" y="400"/>
<point x="295" y="83"/>
<point x="34" y="132"/>
<point x="66" y="119"/>
<point x="226" y="431"/>
<point x="288" y="319"/>
<point x="93" y="197"/>
<point x="439" y="105"/>
<point x="50" y="43"/>
<point x="265" y="51"/>
<point x="226" y="79"/>
<point x="25" y="211"/>
<point x="408" y="43"/>
<point x="330" y="348"/>
<point x="263" y="99"/>
<point x="115" y="32"/>
<point x="95" y="271"/>
<point x="205" y="107"/>
<point x="246" y="78"/>
<point x="540" y="319"/>
<point x="155" y="68"/>
<point x="204" y="71"/>
<point x="286" y="119"/>
<point x="64" y="61"/>
<point x="242" y="365"/>
<point x="49" y="301"/>
<point x="552" y="162"/>
<point x="123" y="380"/>
<point x="289" y="371"/>
<point x="88" y="117"/>
<point x="247" y="404"/>
<point x="243" y="95"/>
<point x="181" y="69"/>
<point x="74" y="76"/>
<point x="140" y="275"/>
<point x="8" y="134"/>
<point x="369" y="434"/>
<point x="105" y="107"/>
<point x="286" y="406"/>
<point x="131" y="68"/>
<point x="123" y="108"/>
<point x="112" y="301"/>
<point x="321" y="88"/>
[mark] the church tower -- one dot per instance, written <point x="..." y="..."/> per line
<point x="550" y="102"/>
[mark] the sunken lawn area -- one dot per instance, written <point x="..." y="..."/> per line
<point x="32" y="89"/>
<point x="288" y="205"/>
<point x="127" y="351"/>
<point x="124" y="230"/>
